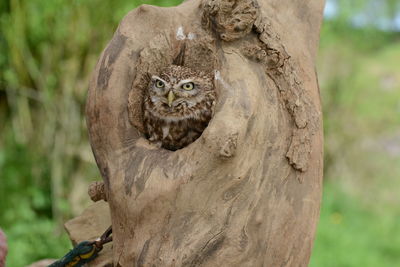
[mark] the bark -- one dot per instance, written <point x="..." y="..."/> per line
<point x="247" y="192"/>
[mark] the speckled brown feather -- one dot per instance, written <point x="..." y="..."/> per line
<point x="176" y="127"/>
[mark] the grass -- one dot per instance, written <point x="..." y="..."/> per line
<point x="350" y="234"/>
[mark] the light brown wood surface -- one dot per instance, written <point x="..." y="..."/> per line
<point x="248" y="191"/>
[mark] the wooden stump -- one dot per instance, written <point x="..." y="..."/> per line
<point x="247" y="192"/>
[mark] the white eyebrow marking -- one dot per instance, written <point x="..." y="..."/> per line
<point x="155" y="78"/>
<point x="185" y="81"/>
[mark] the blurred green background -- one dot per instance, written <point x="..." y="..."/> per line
<point x="47" y="52"/>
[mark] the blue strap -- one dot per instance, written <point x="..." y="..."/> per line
<point x="81" y="254"/>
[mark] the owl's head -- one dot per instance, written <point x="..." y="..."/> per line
<point x="179" y="87"/>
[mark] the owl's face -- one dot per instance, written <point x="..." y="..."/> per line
<point x="179" y="88"/>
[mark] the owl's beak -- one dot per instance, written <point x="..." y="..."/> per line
<point x="171" y="98"/>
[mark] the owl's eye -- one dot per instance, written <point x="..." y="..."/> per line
<point x="159" y="84"/>
<point x="188" y="86"/>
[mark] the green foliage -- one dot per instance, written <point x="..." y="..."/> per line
<point x="360" y="87"/>
<point x="351" y="234"/>
<point x="34" y="240"/>
<point x="26" y="207"/>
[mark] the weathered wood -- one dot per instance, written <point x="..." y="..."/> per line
<point x="89" y="226"/>
<point x="247" y="192"/>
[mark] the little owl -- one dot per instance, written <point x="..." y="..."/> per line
<point x="178" y="105"/>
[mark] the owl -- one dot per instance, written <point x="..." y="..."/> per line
<point x="178" y="105"/>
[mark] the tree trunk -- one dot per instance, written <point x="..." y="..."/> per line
<point x="247" y="192"/>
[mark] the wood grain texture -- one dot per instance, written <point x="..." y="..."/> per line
<point x="247" y="192"/>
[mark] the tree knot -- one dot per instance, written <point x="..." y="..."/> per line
<point x="231" y="20"/>
<point x="228" y="149"/>
<point x="97" y="191"/>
